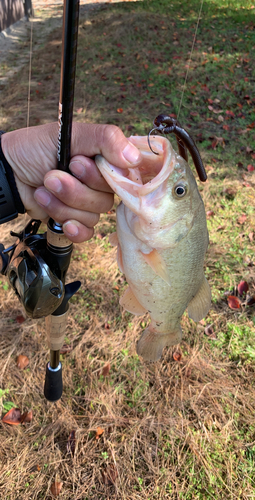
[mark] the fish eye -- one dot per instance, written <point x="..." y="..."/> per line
<point x="180" y="190"/>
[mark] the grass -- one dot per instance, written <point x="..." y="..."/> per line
<point x="171" y="430"/>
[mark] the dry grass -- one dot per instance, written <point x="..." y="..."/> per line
<point x="171" y="430"/>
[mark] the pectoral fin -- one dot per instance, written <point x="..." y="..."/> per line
<point x="157" y="263"/>
<point x="131" y="304"/>
<point x="113" y="239"/>
<point x="201" y="303"/>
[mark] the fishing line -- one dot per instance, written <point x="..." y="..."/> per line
<point x="190" y="58"/>
<point x="29" y="72"/>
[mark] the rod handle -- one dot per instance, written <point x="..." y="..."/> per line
<point x="53" y="386"/>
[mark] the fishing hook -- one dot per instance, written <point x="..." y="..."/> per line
<point x="164" y="124"/>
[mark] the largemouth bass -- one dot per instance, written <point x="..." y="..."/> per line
<point x="162" y="239"/>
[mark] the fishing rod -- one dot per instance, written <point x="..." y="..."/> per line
<point x="37" y="264"/>
<point x="60" y="248"/>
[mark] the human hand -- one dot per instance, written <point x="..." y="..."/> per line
<point x="74" y="201"/>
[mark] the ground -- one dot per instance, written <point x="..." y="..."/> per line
<point x="181" y="428"/>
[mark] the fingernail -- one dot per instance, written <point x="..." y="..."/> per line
<point x="77" y="169"/>
<point x="71" y="228"/>
<point x="131" y="153"/>
<point x="42" y="197"/>
<point x="53" y="184"/>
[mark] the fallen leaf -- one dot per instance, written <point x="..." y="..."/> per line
<point x="26" y="417"/>
<point x="66" y="348"/>
<point x="12" y="417"/>
<point x="109" y="474"/>
<point x="120" y="110"/>
<point x="209" y="331"/>
<point x="177" y="356"/>
<point x="252" y="125"/>
<point x="251" y="301"/>
<point x="242" y="287"/>
<point x="234" y="302"/>
<point x="71" y="443"/>
<point x="106" y="370"/>
<point x="99" y="432"/>
<point x="22" y="361"/>
<point x="56" y="487"/>
<point x="251" y="236"/>
<point x="20" y="319"/>
<point x="210" y="213"/>
<point x="242" y="219"/>
<point x="250" y="168"/>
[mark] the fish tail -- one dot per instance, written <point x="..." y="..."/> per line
<point x="151" y="344"/>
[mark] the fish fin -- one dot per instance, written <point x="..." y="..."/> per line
<point x="131" y="304"/>
<point x="201" y="303"/>
<point x="157" y="263"/>
<point x="119" y="259"/>
<point x="113" y="239"/>
<point x="151" y="344"/>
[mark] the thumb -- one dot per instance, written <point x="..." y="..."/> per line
<point x="107" y="140"/>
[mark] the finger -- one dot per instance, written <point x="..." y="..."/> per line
<point x="86" y="171"/>
<point x="76" y="195"/>
<point x="60" y="212"/>
<point x="108" y="140"/>
<point x="77" y="232"/>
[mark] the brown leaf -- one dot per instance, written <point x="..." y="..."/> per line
<point x="106" y="370"/>
<point x="20" y="319"/>
<point x="242" y="219"/>
<point x="209" y="331"/>
<point x="26" y="417"/>
<point x="242" y="287"/>
<point x="71" y="443"/>
<point x="251" y="236"/>
<point x="210" y="213"/>
<point x="99" y="432"/>
<point x="12" y="417"/>
<point x="177" y="356"/>
<point x="66" y="348"/>
<point x="251" y="301"/>
<point x="56" y="488"/>
<point x="230" y="113"/>
<point x="234" y="302"/>
<point x="22" y="361"/>
<point x="109" y="474"/>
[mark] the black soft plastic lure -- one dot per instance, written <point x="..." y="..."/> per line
<point x="167" y="125"/>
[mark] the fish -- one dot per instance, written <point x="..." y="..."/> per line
<point x="161" y="238"/>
